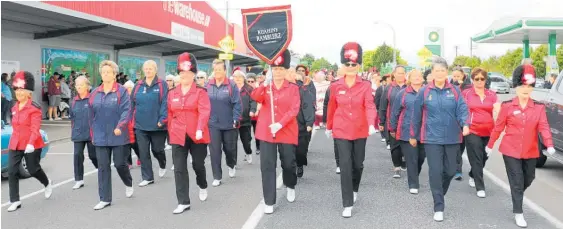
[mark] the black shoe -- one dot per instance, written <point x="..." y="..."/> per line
<point x="257" y="152"/>
<point x="458" y="177"/>
<point x="299" y="171"/>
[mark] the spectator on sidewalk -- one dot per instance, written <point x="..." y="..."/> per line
<point x="54" y="93"/>
<point x="6" y="98"/>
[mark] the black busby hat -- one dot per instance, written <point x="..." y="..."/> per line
<point x="24" y="80"/>
<point x="283" y="60"/>
<point x="524" y="75"/>
<point x="351" y="52"/>
<point x="187" y="62"/>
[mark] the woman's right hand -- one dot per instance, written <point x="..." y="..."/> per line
<point x="117" y="132"/>
<point x="413" y="142"/>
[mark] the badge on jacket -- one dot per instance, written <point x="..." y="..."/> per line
<point x="342" y="92"/>
<point x="429" y="97"/>
<point x="516" y="112"/>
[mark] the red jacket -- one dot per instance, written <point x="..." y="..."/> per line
<point x="350" y="110"/>
<point x="25" y="124"/>
<point x="480" y="117"/>
<point x="187" y="114"/>
<point x="286" y="108"/>
<point x="522" y="127"/>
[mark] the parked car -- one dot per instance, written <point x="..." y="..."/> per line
<point x="553" y="101"/>
<point x="540" y="82"/>
<point x="499" y="84"/>
<point x="6" y="134"/>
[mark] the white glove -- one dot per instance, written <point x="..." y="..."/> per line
<point x="328" y="133"/>
<point x="372" y="130"/>
<point x="198" y="135"/>
<point x="29" y="148"/>
<point x="488" y="151"/>
<point x="550" y="150"/>
<point x="274" y="128"/>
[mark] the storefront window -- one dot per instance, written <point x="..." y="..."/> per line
<point x="132" y="66"/>
<point x="64" y="61"/>
<point x="172" y="65"/>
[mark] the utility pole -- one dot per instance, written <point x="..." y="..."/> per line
<point x="456" y="47"/>
<point x="227" y="62"/>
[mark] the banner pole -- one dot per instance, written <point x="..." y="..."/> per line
<point x="272" y="97"/>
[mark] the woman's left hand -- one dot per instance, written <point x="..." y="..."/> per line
<point x="465" y="130"/>
<point x="117" y="132"/>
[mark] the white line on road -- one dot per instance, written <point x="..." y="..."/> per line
<point x="49" y="124"/>
<point x="258" y="212"/>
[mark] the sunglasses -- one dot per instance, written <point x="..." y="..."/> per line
<point x="199" y="78"/>
<point x="479" y="79"/>
<point x="250" y="81"/>
<point x="351" y="64"/>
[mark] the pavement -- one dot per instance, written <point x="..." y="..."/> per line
<point x="383" y="202"/>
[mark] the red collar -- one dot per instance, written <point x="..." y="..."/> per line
<point x="114" y="89"/>
<point x="530" y="103"/>
<point x="226" y="81"/>
<point x="342" y="80"/>
<point x="446" y="85"/>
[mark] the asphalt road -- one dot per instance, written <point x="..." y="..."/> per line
<point x="383" y="202"/>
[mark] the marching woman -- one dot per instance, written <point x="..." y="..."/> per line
<point x="350" y="120"/>
<point x="248" y="110"/>
<point x="129" y="85"/>
<point x="188" y="109"/>
<point x="439" y="116"/>
<point x="375" y="80"/>
<point x="111" y="112"/>
<point x="252" y="81"/>
<point x="400" y="124"/>
<point x="482" y="104"/>
<point x="325" y="112"/>
<point x="521" y="119"/>
<point x="459" y="79"/>
<point x="321" y="86"/>
<point x="281" y="133"/>
<point x="80" y="115"/>
<point x="224" y="121"/>
<point x="148" y="103"/>
<point x="26" y="141"/>
<point x="377" y="97"/>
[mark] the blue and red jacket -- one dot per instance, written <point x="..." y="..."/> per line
<point x="226" y="103"/>
<point x="439" y="115"/>
<point x="386" y="103"/>
<point x="149" y="105"/>
<point x="401" y="113"/>
<point x="80" y="115"/>
<point x="110" y="111"/>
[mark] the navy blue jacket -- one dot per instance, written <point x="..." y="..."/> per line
<point x="248" y="105"/>
<point x="439" y="115"/>
<point x="80" y="115"/>
<point x="401" y="113"/>
<point x="386" y="102"/>
<point x="110" y="111"/>
<point x="306" y="115"/>
<point x="149" y="105"/>
<point x="226" y="106"/>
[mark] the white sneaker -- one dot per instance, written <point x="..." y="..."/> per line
<point x="413" y="191"/>
<point x="167" y="147"/>
<point x="172" y="168"/>
<point x="58" y="119"/>
<point x="337" y="170"/>
<point x="268" y="209"/>
<point x="248" y="158"/>
<point x="438" y="216"/>
<point x="145" y="183"/>
<point x="347" y="213"/>
<point x="51" y="119"/>
<point x="232" y="172"/>
<point x="190" y="159"/>
<point x="101" y="205"/>
<point x="317" y="127"/>
<point x="202" y="194"/>
<point x="216" y="183"/>
<point x="383" y="140"/>
<point x="78" y="184"/>
<point x="49" y="190"/>
<point x="129" y="192"/>
<point x="181" y="208"/>
<point x="290" y="195"/>
<point x="355" y="196"/>
<point x="471" y="182"/>
<point x="481" y="194"/>
<point x="388" y="147"/>
<point x="14" y="206"/>
<point x="161" y="172"/>
<point x="520" y="221"/>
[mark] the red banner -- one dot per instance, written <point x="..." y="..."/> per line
<point x="194" y="21"/>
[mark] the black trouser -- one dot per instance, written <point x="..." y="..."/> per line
<point x="336" y="155"/>
<point x="180" y="161"/>
<point x="396" y="152"/>
<point x="6" y="109"/>
<point x="156" y="141"/>
<point x="352" y="155"/>
<point x="33" y="167"/>
<point x="414" y="157"/>
<point x="256" y="141"/>
<point x="245" y="138"/>
<point x="442" y="164"/>
<point x="268" y="162"/>
<point x="303" y="140"/>
<point x="103" y="153"/>
<point x="477" y="158"/>
<point x="459" y="156"/>
<point x="521" y="173"/>
<point x="79" y="158"/>
<point x="222" y="140"/>
<point x="135" y="147"/>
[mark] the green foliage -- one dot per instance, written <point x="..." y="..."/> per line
<point x="380" y="56"/>
<point x="308" y="59"/>
<point x="334" y="67"/>
<point x="491" y="64"/>
<point x="471" y="62"/>
<point x="509" y="61"/>
<point x="319" y="64"/>
<point x="537" y="56"/>
<point x="560" y="56"/>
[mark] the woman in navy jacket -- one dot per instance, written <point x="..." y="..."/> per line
<point x="400" y="124"/>
<point x="80" y="114"/>
<point x="248" y="110"/>
<point x="439" y="116"/>
<point x="111" y="111"/>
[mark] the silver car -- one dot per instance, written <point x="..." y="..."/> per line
<point x="499" y="85"/>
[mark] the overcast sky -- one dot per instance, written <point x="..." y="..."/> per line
<point x="322" y="27"/>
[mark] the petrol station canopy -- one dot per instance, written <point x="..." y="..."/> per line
<point x="516" y="30"/>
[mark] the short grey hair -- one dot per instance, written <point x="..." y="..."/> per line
<point x="129" y="84"/>
<point x="82" y="77"/>
<point x="439" y="61"/>
<point x="151" y="63"/>
<point x="111" y="64"/>
<point x="201" y="74"/>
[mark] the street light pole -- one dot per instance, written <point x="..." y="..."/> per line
<point x="394" y="40"/>
<point x="227" y="62"/>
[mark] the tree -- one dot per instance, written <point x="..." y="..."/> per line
<point x="382" y="55"/>
<point x="424" y="56"/>
<point x="537" y="55"/>
<point x="473" y="62"/>
<point x="367" y="58"/>
<point x="307" y="59"/>
<point x="559" y="54"/>
<point x="491" y="64"/>
<point x="509" y="61"/>
<point x="460" y="60"/>
<point x="320" y="64"/>
<point x="334" y="67"/>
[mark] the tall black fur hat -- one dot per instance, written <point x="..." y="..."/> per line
<point x="187" y="62"/>
<point x="283" y="60"/>
<point x="524" y="75"/>
<point x="24" y="80"/>
<point x="351" y="52"/>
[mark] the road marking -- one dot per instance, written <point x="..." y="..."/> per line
<point x="258" y="212"/>
<point x="50" y="124"/>
<point x="60" y="153"/>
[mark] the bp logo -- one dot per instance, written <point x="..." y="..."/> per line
<point x="433" y="36"/>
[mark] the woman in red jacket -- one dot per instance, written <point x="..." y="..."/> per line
<point x="26" y="141"/>
<point x="188" y="113"/>
<point x="350" y="119"/>
<point x="278" y="135"/>
<point x="522" y="119"/>
<point x="481" y="103"/>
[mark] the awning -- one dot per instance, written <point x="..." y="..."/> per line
<point x="514" y="30"/>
